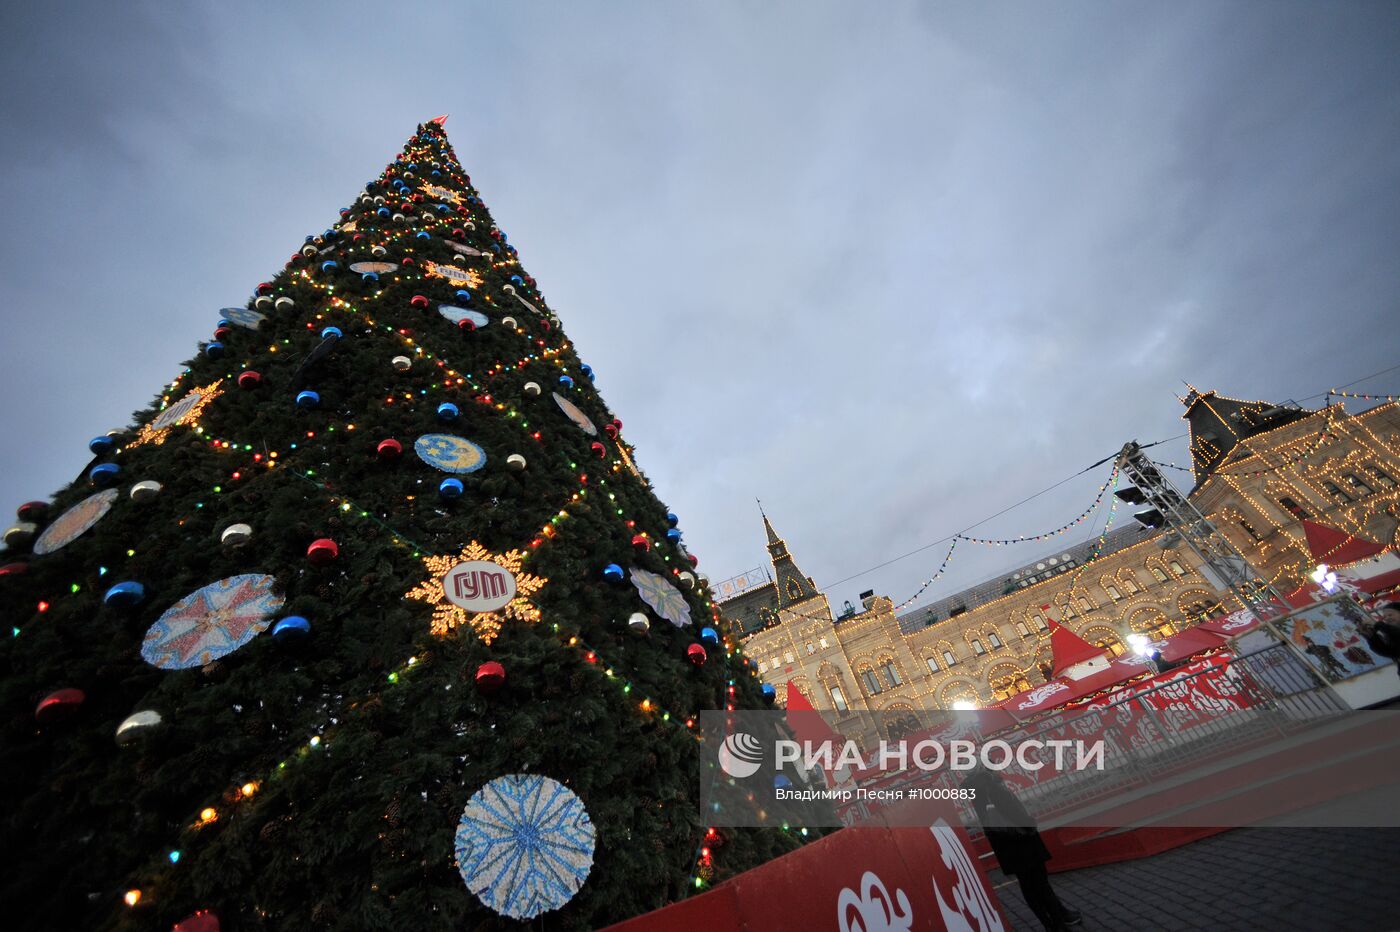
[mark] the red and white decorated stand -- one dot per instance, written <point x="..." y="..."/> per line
<point x="876" y="879"/>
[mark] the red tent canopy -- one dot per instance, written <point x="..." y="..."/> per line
<point x="1338" y="548"/>
<point x="806" y="722"/>
<point x="1062" y="690"/>
<point x="1069" y="648"/>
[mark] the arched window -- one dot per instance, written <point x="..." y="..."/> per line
<point x="822" y="642"/>
<point x="1292" y="507"/>
<point x="1085" y="605"/>
<point x="1249" y="529"/>
<point x="1040" y="622"/>
<point x="1362" y="489"/>
<point x="1129" y="581"/>
<point x="948" y="658"/>
<point x="1112" y="645"/>
<point x="811" y="648"/>
<point x="1113" y="592"/>
<point x="1158" y="574"/>
<point x="977" y="648"/>
<point x="932" y="664"/>
<point x="788" y="656"/>
<point x="1022" y="630"/>
<point x="891" y="674"/>
<point x="868" y="680"/>
<point x="1382" y="478"/>
<point x="1067" y="610"/>
<point x="993" y="640"/>
<point x="1177" y="569"/>
<point x="837" y="699"/>
<point x="1335" y="492"/>
<point x="1201" y="608"/>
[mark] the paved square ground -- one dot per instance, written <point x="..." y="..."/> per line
<point x="1270" y="879"/>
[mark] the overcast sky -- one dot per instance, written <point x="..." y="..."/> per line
<point x="890" y="267"/>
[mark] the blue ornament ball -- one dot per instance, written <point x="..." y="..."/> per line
<point x="464" y="295"/>
<point x="565" y="381"/>
<point x="383" y="211"/>
<point x="370" y="277"/>
<point x="770" y="695"/>
<point x="613" y="573"/>
<point x="308" y="399"/>
<point x="587" y="370"/>
<point x="423" y="234"/>
<point x="709" y="636"/>
<point x="447" y="411"/>
<point x="214" y="350"/>
<point x="451" y="488"/>
<point x="104" y="475"/>
<point x="671" y="519"/>
<point x="101" y="445"/>
<point x="331" y="332"/>
<point x="673" y="535"/>
<point x="780" y="782"/>
<point x="330" y="265"/>
<point x="125" y="595"/>
<point x="292" y="628"/>
<point x="517" y="280"/>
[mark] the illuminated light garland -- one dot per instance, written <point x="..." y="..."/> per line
<point x="1338" y="393"/>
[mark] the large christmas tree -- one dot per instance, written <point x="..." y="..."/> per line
<point x="371" y="623"/>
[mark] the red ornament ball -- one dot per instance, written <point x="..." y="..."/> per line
<point x="59" y="705"/>
<point x="641" y="543"/>
<point x="598" y="448"/>
<point x="466" y="325"/>
<point x="610" y="430"/>
<point x="264" y="287"/>
<point x="389" y="449"/>
<point x="617" y="423"/>
<point x="222" y="333"/>
<point x="695" y="653"/>
<point x="32" y="511"/>
<point x="419" y="301"/>
<point x="249" y="380"/>
<point x="490" y="676"/>
<point x="323" y="551"/>
<point x="14" y="569"/>
<point x="407" y="260"/>
<point x="694" y="560"/>
<point x="202" y="921"/>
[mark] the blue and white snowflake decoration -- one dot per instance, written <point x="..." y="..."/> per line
<point x="524" y="845"/>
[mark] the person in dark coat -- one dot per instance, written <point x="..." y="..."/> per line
<point x="1018" y="846"/>
<point x="1383" y="636"/>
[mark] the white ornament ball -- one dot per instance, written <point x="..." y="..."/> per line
<point x="688" y="580"/>
<point x="638" y="623"/>
<point x="283" y="303"/>
<point x="402" y="363"/>
<point x="262" y="301"/>
<point x="379" y="199"/>
<point x="398" y="218"/>
<point x="145" y="491"/>
<point x="378" y="251"/>
<point x="137" y="726"/>
<point x="236" y="535"/>
<point x="532" y="389"/>
<point x="515" y="461"/>
<point x="510" y="323"/>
